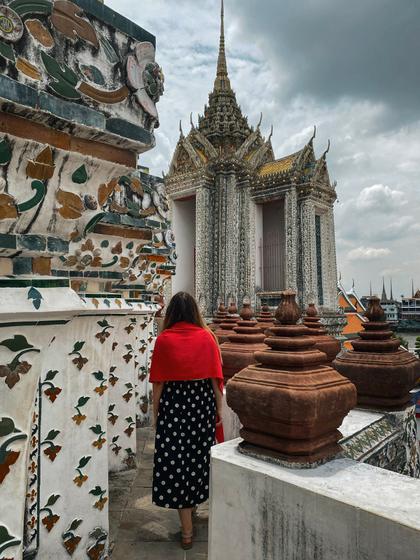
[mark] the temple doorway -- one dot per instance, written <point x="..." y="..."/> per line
<point x="183" y="223"/>
<point x="271" y="246"/>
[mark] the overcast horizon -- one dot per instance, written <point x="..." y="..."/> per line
<point x="348" y="68"/>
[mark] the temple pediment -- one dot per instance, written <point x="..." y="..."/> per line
<point x="187" y="159"/>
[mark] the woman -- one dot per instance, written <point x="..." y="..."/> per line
<point x="187" y="378"/>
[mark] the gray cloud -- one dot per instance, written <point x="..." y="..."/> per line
<point x="330" y="49"/>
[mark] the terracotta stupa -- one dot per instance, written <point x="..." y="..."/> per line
<point x="265" y="318"/>
<point x="290" y="404"/>
<point x="382" y="372"/>
<point x="219" y="316"/>
<point x="323" y="341"/>
<point x="225" y="328"/>
<point x="246" y="339"/>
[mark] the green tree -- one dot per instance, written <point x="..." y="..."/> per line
<point x="403" y="341"/>
<point x="417" y="350"/>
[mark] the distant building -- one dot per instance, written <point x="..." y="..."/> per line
<point x="353" y="308"/>
<point x="410" y="308"/>
<point x="390" y="306"/>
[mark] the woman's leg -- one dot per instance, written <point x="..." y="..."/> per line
<point x="185" y="516"/>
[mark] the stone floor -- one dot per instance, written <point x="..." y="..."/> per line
<point x="141" y="531"/>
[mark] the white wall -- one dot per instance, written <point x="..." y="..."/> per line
<point x="343" y="510"/>
<point x="183" y="224"/>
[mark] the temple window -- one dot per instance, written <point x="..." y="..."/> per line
<point x="271" y="249"/>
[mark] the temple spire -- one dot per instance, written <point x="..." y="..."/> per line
<point x="384" y="296"/>
<point x="222" y="82"/>
<point x="392" y="294"/>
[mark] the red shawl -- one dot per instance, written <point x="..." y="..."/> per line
<point x="186" y="352"/>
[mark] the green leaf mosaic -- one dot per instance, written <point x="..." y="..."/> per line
<point x="7" y="52"/>
<point x="80" y="176"/>
<point x="65" y="80"/>
<point x="5" y="152"/>
<point x="17" y="343"/>
<point x="25" y="7"/>
<point x="40" y="192"/>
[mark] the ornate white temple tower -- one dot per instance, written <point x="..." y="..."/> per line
<point x="246" y="223"/>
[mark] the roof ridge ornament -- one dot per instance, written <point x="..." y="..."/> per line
<point x="260" y="121"/>
<point x="180" y="129"/>
<point x="271" y="133"/>
<point x="313" y="135"/>
<point x="327" y="150"/>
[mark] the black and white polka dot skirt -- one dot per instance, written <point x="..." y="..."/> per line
<point x="184" y="435"/>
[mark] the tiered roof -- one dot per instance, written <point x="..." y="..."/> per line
<point x="223" y="119"/>
<point x="282" y="165"/>
<point x="223" y="133"/>
<point x="350" y="303"/>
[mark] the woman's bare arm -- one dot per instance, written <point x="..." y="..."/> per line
<point x="219" y="398"/>
<point x="157" y="393"/>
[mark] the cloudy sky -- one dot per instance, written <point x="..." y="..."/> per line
<point x="351" y="68"/>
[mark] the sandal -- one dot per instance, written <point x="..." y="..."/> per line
<point x="187" y="541"/>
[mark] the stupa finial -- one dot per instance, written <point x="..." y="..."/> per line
<point x="222" y="82"/>
<point x="384" y="296"/>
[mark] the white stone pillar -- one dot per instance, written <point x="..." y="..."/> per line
<point x="245" y="273"/>
<point x="231" y="238"/>
<point x="307" y="253"/>
<point x="35" y="315"/>
<point x="291" y="233"/>
<point x="204" y="242"/>
<point x="329" y="261"/>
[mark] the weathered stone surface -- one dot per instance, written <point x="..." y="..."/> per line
<point x="225" y="328"/>
<point x="304" y="401"/>
<point x="386" y="440"/>
<point x="265" y="318"/>
<point x="343" y="510"/>
<point x="324" y="342"/>
<point x="382" y="372"/>
<point x="219" y="316"/>
<point x="246" y="339"/>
